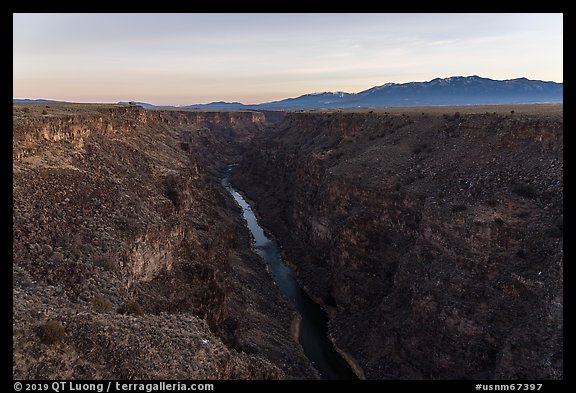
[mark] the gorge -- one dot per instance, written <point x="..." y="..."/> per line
<point x="431" y="237"/>
<point x="312" y="327"/>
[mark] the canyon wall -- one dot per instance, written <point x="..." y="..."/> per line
<point x="123" y="236"/>
<point x="433" y="239"/>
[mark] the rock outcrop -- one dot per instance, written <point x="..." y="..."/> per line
<point x="434" y="239"/>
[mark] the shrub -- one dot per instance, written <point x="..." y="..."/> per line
<point x="25" y="109"/>
<point x="75" y="250"/>
<point x="131" y="307"/>
<point x="35" y="312"/>
<point x="63" y="240"/>
<point x="101" y="303"/>
<point x="523" y="214"/>
<point x="499" y="221"/>
<point x="524" y="190"/>
<point x="560" y="223"/>
<point x="172" y="191"/>
<point x="105" y="262"/>
<point x="556" y="229"/>
<point x="492" y="202"/>
<point x="458" y="208"/>
<point x="418" y="149"/>
<point x="408" y="180"/>
<point x="128" y="225"/>
<point x="52" y="332"/>
<point x="86" y="248"/>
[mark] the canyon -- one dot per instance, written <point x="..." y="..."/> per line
<point x="432" y="237"/>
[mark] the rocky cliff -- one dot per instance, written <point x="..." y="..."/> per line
<point x="433" y="238"/>
<point x="123" y="237"/>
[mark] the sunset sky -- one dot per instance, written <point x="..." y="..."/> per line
<point x="182" y="59"/>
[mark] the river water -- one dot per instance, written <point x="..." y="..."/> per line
<point x="313" y="322"/>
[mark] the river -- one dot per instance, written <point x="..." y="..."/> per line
<point x="313" y="330"/>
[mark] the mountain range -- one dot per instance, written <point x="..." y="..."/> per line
<point x="29" y="100"/>
<point x="456" y="90"/>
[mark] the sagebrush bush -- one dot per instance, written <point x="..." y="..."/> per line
<point x="105" y="262"/>
<point x="458" y="208"/>
<point x="128" y="225"/>
<point x="52" y="332"/>
<point x="35" y="312"/>
<point x="101" y="304"/>
<point x="420" y="148"/>
<point x="492" y="202"/>
<point x="172" y="190"/>
<point x="131" y="307"/>
<point x="524" y="190"/>
<point x="499" y="221"/>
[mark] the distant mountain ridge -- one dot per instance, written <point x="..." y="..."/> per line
<point x="142" y="104"/>
<point x="30" y="100"/>
<point x="455" y="90"/>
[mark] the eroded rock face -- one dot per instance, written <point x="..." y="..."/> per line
<point x="435" y="240"/>
<point x="109" y="202"/>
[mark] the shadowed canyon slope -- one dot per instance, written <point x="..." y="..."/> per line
<point x="433" y="238"/>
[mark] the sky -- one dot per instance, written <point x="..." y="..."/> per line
<point x="182" y="59"/>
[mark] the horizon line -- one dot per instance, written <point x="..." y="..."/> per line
<point x="281" y="99"/>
